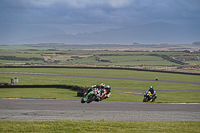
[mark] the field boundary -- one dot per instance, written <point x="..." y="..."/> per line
<point x="101" y="67"/>
<point x="73" y="87"/>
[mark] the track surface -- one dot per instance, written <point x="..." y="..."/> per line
<point x="151" y="80"/>
<point x="41" y="109"/>
<point x="36" y="109"/>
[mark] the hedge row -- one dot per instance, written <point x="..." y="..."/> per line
<point x="20" y="58"/>
<point x="73" y="87"/>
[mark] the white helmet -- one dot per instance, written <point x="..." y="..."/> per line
<point x="102" y="85"/>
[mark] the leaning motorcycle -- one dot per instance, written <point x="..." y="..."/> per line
<point x="104" y="95"/>
<point x="90" y="96"/>
<point x="148" y="97"/>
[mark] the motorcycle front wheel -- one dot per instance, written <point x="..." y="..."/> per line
<point x="82" y="101"/>
<point x="145" y="99"/>
<point x="91" y="98"/>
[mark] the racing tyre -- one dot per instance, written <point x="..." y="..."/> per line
<point x="144" y="100"/>
<point x="91" y="98"/>
<point x="82" y="101"/>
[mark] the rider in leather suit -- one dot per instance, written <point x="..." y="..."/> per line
<point x="153" y="92"/>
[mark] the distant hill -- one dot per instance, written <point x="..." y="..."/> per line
<point x="11" y="33"/>
<point x="159" y="33"/>
<point x="196" y="43"/>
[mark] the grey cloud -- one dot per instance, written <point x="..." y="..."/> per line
<point x="99" y="12"/>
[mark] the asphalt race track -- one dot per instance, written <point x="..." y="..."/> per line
<point x="44" y="109"/>
<point x="41" y="109"/>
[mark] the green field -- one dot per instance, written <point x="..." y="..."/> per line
<point x="117" y="95"/>
<point x="22" y="55"/>
<point x="106" y="73"/>
<point x="93" y="57"/>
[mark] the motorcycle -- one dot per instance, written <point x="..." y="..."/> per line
<point x="148" y="97"/>
<point x="90" y="96"/>
<point x="156" y="79"/>
<point x="104" y="95"/>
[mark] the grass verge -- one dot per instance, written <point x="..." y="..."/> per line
<point x="163" y="96"/>
<point x="107" y="73"/>
<point x="98" y="126"/>
<point x="116" y="95"/>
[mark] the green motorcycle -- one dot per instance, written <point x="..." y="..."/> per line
<point x="91" y="96"/>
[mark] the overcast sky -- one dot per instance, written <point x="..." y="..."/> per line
<point x="78" y="16"/>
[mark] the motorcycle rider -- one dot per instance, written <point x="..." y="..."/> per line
<point x="107" y="94"/>
<point x="153" y="92"/>
<point x="100" y="90"/>
<point x="98" y="95"/>
<point x="108" y="90"/>
<point x="101" y="86"/>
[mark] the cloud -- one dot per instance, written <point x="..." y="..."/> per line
<point x="81" y="4"/>
<point x="99" y="12"/>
